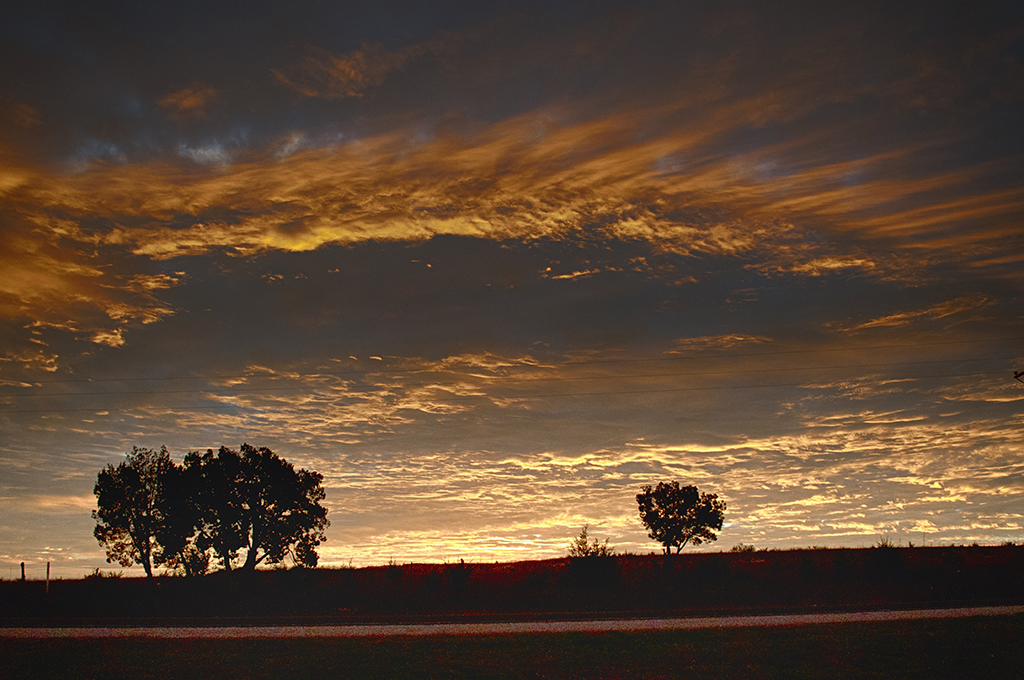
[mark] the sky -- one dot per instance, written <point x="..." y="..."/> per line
<point x="490" y="267"/>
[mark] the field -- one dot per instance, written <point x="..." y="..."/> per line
<point x="700" y="583"/>
<point x="696" y="584"/>
<point x="986" y="647"/>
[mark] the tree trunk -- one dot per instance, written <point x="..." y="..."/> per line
<point x="225" y="556"/>
<point x="254" y="540"/>
<point x="144" y="550"/>
<point x="250" y="559"/>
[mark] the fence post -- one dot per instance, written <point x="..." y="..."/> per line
<point x="47" y="578"/>
<point x="22" y="571"/>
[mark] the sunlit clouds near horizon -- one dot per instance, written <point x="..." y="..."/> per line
<point x="491" y="267"/>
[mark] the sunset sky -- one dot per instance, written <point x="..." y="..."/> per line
<point x="491" y="267"/>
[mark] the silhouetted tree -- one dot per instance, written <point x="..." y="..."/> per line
<point x="132" y="519"/>
<point x="580" y="546"/>
<point x="191" y="560"/>
<point x="254" y="500"/>
<point x="675" y="516"/>
<point x="213" y="503"/>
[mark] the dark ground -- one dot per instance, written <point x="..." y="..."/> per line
<point x="632" y="585"/>
<point x="980" y="647"/>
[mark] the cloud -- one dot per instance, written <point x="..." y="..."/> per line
<point x="50" y="504"/>
<point x="328" y="76"/>
<point x="939" y="311"/>
<point x="830" y="264"/>
<point x="716" y="342"/>
<point x="190" y="102"/>
<point x="211" y="153"/>
<point x="63" y="296"/>
<point x="111" y="338"/>
<point x="589" y="179"/>
<point x="18" y="114"/>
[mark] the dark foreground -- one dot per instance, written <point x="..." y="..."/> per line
<point x="950" y="648"/>
<point x="585" y="589"/>
<point x="624" y="586"/>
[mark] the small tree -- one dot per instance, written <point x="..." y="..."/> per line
<point x="580" y="546"/>
<point x="675" y="516"/>
<point x="132" y="520"/>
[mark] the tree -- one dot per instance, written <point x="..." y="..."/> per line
<point x="254" y="500"/>
<point x="580" y="547"/>
<point x="675" y="516"/>
<point x="191" y="560"/>
<point x="132" y="519"/>
<point x="213" y="502"/>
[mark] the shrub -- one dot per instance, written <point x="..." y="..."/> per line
<point x="581" y="547"/>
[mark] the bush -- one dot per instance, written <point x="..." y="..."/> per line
<point x="581" y="547"/>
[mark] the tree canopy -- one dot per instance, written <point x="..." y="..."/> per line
<point x="254" y="500"/>
<point x="675" y="515"/>
<point x="152" y="511"/>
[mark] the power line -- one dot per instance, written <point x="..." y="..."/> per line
<point x="868" y="348"/>
<point x="230" y="390"/>
<point x="519" y="397"/>
<point x="580" y="362"/>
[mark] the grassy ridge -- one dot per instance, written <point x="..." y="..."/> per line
<point x="986" y="647"/>
<point x="642" y="584"/>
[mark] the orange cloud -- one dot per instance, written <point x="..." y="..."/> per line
<point x="50" y="504"/>
<point x="547" y="174"/>
<point x="190" y="102"/>
<point x="962" y="304"/>
<point x="44" y="280"/>
<point x="37" y="277"/>
<point x="322" y="74"/>
<point x="18" y="114"/>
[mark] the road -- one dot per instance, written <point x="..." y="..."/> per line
<point x="501" y="628"/>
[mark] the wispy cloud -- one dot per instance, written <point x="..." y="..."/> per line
<point x="330" y="76"/>
<point x="939" y="311"/>
<point x="589" y="178"/>
<point x="190" y="102"/>
<point x="18" y="114"/>
<point x="211" y="153"/>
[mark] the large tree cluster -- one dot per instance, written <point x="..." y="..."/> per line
<point x="152" y="511"/>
